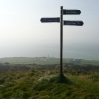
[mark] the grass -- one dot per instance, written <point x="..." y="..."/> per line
<point x="41" y="60"/>
<point x="44" y="85"/>
<point x="92" y="62"/>
<point x="60" y="79"/>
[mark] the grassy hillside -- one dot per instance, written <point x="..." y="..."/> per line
<point x="45" y="60"/>
<point x="42" y="85"/>
<point x="26" y="60"/>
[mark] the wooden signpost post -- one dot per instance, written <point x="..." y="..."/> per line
<point x="60" y="19"/>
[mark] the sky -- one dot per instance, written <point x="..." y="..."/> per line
<point x="23" y="35"/>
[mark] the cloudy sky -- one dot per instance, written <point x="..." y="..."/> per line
<point x="22" y="33"/>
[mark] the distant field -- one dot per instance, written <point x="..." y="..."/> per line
<point x="94" y="62"/>
<point x="45" y="60"/>
<point x="25" y="60"/>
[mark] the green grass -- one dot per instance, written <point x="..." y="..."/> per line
<point x="92" y="62"/>
<point x="47" y="85"/>
<point x="41" y="60"/>
<point x="26" y="60"/>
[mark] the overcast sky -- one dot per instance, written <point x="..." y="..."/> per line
<point x="22" y="33"/>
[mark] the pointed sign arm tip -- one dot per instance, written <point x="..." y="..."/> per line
<point x="80" y="11"/>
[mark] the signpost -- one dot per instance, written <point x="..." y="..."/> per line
<point x="61" y="40"/>
<point x="50" y="20"/>
<point x="60" y="19"/>
<point x="76" y="23"/>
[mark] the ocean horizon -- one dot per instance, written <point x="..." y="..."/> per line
<point x="88" y="52"/>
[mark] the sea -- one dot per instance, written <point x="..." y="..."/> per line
<point x="76" y="51"/>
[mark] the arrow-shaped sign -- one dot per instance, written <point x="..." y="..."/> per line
<point x="71" y="12"/>
<point x="50" y="19"/>
<point x="77" y="23"/>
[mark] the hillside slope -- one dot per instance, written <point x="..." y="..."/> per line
<point x="39" y="85"/>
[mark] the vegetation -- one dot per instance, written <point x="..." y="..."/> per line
<point x="45" y="84"/>
<point x="42" y="81"/>
<point x="45" y="60"/>
<point x="12" y="67"/>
